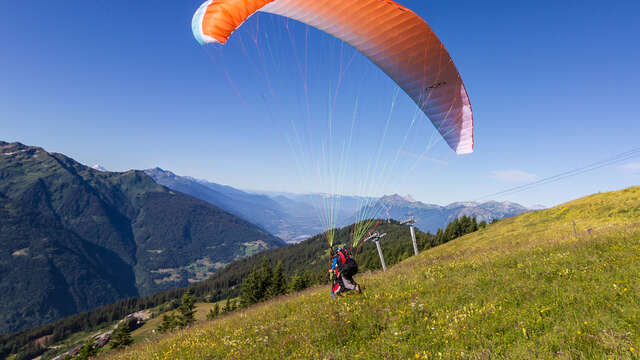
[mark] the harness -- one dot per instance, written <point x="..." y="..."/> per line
<point x="343" y="258"/>
<point x="340" y="259"/>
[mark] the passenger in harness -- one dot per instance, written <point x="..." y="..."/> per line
<point x="343" y="267"/>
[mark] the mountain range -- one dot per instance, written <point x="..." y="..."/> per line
<point x="73" y="238"/>
<point x="431" y="217"/>
<point x="291" y="217"/>
<point x="295" y="217"/>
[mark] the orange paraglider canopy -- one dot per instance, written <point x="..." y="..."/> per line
<point x="395" y="38"/>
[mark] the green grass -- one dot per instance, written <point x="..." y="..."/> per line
<point x="523" y="288"/>
<point x="145" y="332"/>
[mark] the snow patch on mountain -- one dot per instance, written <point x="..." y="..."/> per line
<point x="99" y="168"/>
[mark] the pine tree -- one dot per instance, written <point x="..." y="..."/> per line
<point x="306" y="279"/>
<point x="278" y="282"/>
<point x="264" y="280"/>
<point x="87" y="351"/>
<point x="168" y="323"/>
<point x="121" y="336"/>
<point x="439" y="237"/>
<point x="298" y="282"/>
<point x="186" y="310"/>
<point x="249" y="293"/>
<point x="211" y="314"/>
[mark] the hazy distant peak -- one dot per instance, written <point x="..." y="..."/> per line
<point x="200" y="181"/>
<point x="158" y="169"/>
<point x="395" y="198"/>
<point x="159" y="172"/>
<point x="409" y="198"/>
<point x="509" y="203"/>
<point x="461" y="204"/>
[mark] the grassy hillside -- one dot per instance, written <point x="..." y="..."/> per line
<point x="528" y="287"/>
<point x="308" y="258"/>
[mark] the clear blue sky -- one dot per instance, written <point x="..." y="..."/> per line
<point x="553" y="85"/>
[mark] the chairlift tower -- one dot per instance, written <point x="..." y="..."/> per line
<point x="375" y="237"/>
<point x="410" y="222"/>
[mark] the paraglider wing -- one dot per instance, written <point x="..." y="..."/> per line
<point x="392" y="36"/>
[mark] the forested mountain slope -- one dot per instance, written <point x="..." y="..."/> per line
<point x="73" y="238"/>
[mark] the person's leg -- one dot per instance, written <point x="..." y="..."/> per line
<point x="348" y="282"/>
<point x="353" y="285"/>
<point x="338" y="286"/>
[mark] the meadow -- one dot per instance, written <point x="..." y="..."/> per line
<point x="560" y="283"/>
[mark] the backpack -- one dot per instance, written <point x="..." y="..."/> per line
<point x="349" y="268"/>
<point x="346" y="264"/>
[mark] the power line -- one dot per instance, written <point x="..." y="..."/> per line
<point x="574" y="172"/>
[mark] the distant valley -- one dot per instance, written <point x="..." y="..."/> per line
<point x="291" y="217"/>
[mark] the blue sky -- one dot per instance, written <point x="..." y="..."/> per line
<point x="553" y="85"/>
